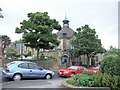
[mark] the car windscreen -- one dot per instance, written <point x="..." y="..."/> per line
<point x="73" y="67"/>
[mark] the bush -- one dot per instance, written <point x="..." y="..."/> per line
<point x="79" y="80"/>
<point x="111" y="65"/>
<point x="96" y="80"/>
<point x="51" y="58"/>
<point x="12" y="54"/>
<point x="89" y="73"/>
<point x="108" y="75"/>
<point x="71" y="81"/>
<point x="106" y="80"/>
<point x="42" y="56"/>
<point x="83" y="80"/>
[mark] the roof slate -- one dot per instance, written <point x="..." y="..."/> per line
<point x="66" y="30"/>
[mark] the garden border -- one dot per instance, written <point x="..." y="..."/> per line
<point x="66" y="85"/>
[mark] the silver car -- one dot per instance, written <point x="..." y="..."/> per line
<point x="25" y="69"/>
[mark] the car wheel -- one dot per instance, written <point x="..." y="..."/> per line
<point x="17" y="77"/>
<point x="72" y="74"/>
<point x="48" y="76"/>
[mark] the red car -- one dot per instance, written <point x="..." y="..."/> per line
<point x="93" y="69"/>
<point x="72" y="70"/>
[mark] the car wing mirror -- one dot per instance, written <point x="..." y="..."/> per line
<point x="40" y="68"/>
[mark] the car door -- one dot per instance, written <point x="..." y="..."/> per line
<point x="35" y="70"/>
<point x="81" y="69"/>
<point x="23" y="69"/>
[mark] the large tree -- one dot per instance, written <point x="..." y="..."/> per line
<point x="86" y="42"/>
<point x="37" y="31"/>
<point x="5" y="41"/>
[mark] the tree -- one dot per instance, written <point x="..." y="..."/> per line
<point x="12" y="54"/>
<point x="5" y="41"/>
<point x="87" y="42"/>
<point x="37" y="31"/>
<point x="112" y="50"/>
<point x="111" y="64"/>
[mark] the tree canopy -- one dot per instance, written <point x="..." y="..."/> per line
<point x="5" y="41"/>
<point x="86" y="42"/>
<point x="37" y="31"/>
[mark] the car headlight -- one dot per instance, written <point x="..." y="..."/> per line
<point x="94" y="71"/>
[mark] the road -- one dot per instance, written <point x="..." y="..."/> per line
<point x="55" y="82"/>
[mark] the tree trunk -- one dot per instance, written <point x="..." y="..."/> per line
<point x="88" y="60"/>
<point x="38" y="53"/>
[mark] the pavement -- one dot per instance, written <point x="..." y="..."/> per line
<point x="49" y="84"/>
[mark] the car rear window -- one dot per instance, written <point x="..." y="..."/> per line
<point x="10" y="63"/>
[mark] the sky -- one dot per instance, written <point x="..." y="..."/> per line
<point x="101" y="15"/>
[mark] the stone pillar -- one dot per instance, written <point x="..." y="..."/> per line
<point x="64" y="43"/>
<point x="58" y="55"/>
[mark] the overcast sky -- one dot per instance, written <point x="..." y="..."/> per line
<point x="102" y="15"/>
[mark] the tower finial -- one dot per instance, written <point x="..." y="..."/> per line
<point x="65" y="22"/>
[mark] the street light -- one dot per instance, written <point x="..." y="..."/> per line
<point x="1" y="16"/>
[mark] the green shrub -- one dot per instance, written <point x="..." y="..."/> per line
<point x="111" y="65"/>
<point x="109" y="75"/>
<point x="51" y="58"/>
<point x="115" y="83"/>
<point x="96" y="80"/>
<point x="71" y="81"/>
<point x="106" y="80"/>
<point x="79" y="80"/>
<point x="89" y="73"/>
<point x="42" y="56"/>
<point x="12" y="54"/>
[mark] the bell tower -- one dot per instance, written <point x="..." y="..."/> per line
<point x="65" y="35"/>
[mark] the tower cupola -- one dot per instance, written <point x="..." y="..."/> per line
<point x="65" y="22"/>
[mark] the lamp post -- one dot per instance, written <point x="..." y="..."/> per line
<point x="21" y="49"/>
<point x="1" y="16"/>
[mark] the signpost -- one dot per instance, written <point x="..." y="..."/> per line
<point x="1" y="16"/>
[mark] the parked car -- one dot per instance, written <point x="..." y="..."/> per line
<point x="25" y="58"/>
<point x="93" y="69"/>
<point x="25" y="69"/>
<point x="71" y="71"/>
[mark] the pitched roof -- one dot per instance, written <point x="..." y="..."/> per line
<point x="69" y="32"/>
